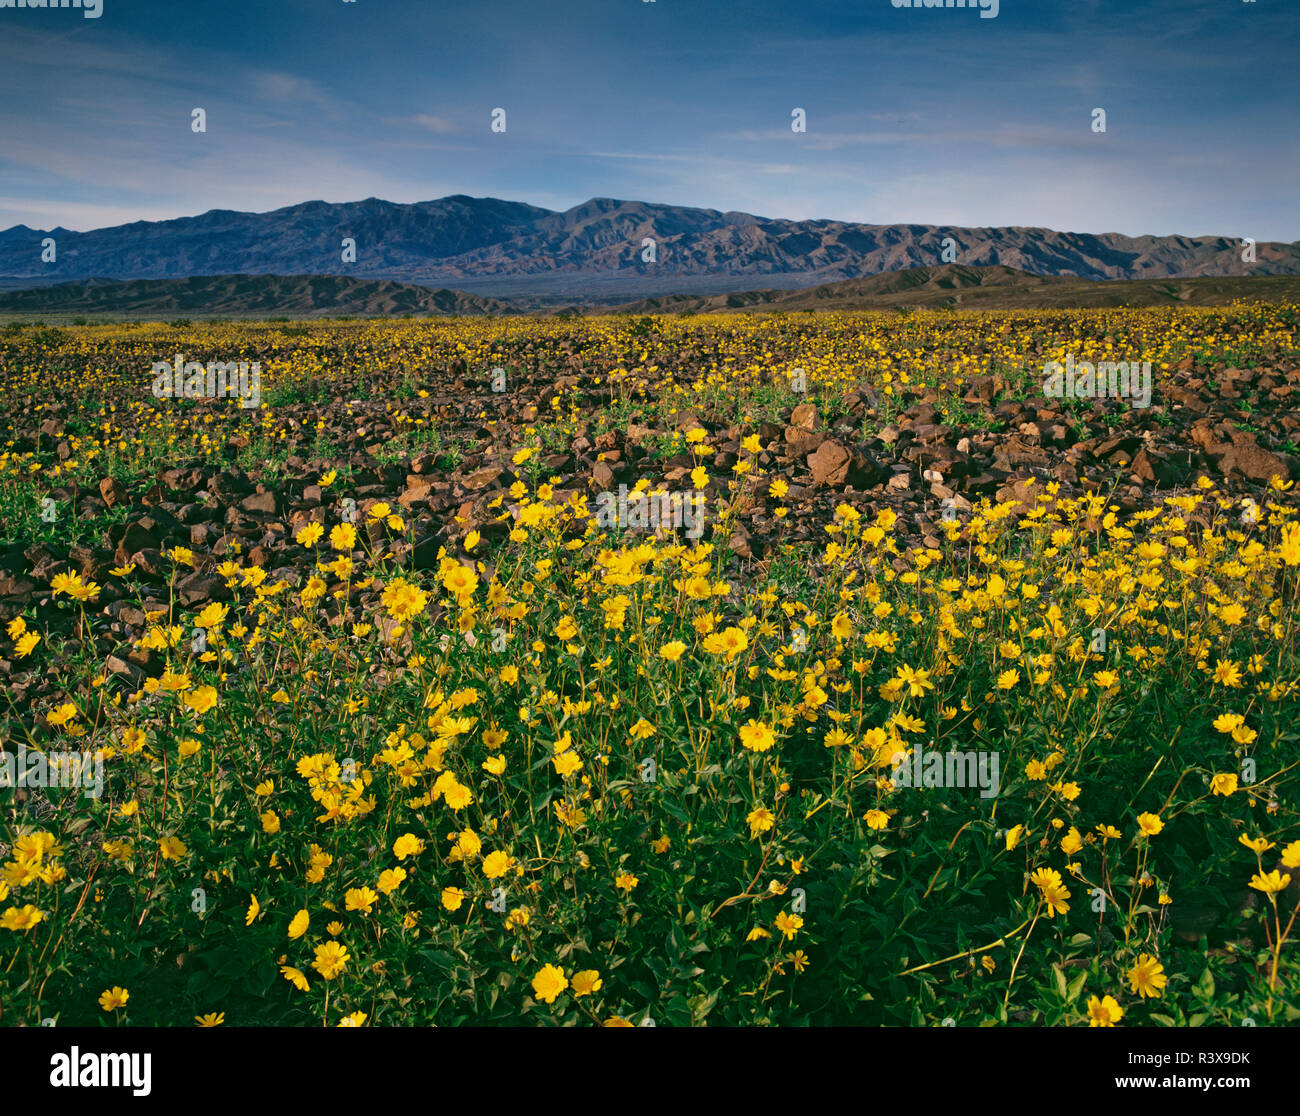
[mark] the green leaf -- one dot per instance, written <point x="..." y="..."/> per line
<point x="702" y="1005"/>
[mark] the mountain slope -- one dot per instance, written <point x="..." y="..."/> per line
<point x="947" y="286"/>
<point x="298" y="295"/>
<point x="993" y="288"/>
<point x="485" y="245"/>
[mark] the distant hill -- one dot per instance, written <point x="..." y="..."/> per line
<point x="487" y="246"/>
<point x="308" y="296"/>
<point x="302" y="296"/>
<point x="982" y="288"/>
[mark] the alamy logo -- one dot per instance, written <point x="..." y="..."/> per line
<point x="988" y="8"/>
<point x="947" y="769"/>
<point x="91" y="1070"/>
<point x="91" y="9"/>
<point x="1106" y="379"/>
<point x="219" y="380"/>
<point x="640" y="512"/>
<point x="53" y="769"/>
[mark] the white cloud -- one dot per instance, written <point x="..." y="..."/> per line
<point x="439" y="124"/>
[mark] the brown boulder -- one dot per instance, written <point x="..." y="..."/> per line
<point x="836" y="465"/>
<point x="199" y="589"/>
<point x="488" y="476"/>
<point x="111" y="492"/>
<point x="830" y="464"/>
<point x="602" y="476"/>
<point x="805" y="444"/>
<point x="263" y="502"/>
<point x="805" y="417"/>
<point x="417" y="490"/>
<point x="1023" y="493"/>
<point x="1250" y="460"/>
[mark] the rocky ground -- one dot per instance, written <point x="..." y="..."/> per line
<point x="918" y="451"/>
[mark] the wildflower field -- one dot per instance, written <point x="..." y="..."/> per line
<point x="965" y="706"/>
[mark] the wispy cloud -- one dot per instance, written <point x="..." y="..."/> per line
<point x="438" y="124"/>
<point x="289" y="90"/>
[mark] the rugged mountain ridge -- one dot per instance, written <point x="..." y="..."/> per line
<point x="486" y="245"/>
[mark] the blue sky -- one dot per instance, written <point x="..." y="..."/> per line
<point x="928" y="116"/>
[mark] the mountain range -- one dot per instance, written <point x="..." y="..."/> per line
<point x="949" y="286"/>
<point x="594" y="251"/>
